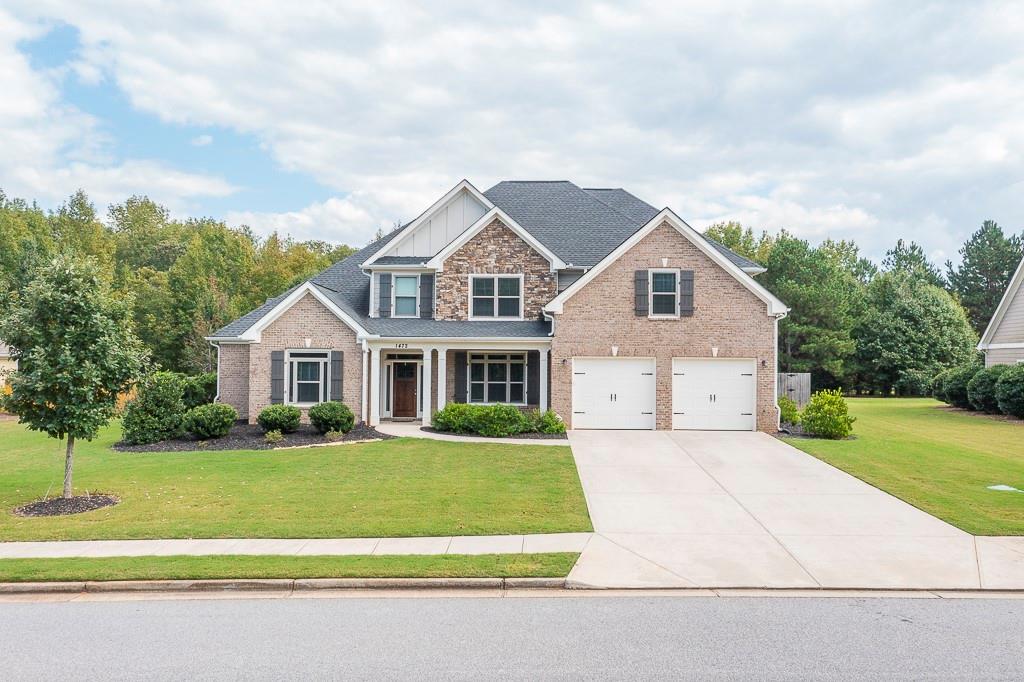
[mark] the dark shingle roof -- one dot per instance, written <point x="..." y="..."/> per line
<point x="401" y="260"/>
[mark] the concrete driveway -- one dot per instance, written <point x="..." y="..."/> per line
<point x="740" y="509"/>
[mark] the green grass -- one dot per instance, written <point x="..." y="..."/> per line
<point x="395" y="488"/>
<point x="233" y="566"/>
<point x="937" y="459"/>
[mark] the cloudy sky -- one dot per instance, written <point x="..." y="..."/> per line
<point x="864" y="120"/>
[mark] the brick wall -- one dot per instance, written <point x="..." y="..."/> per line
<point x="308" y="318"/>
<point x="726" y="315"/>
<point x="494" y="250"/>
<point x="234" y="377"/>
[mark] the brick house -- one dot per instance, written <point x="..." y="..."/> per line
<point x="589" y="302"/>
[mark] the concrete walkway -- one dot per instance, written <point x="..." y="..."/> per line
<point x="413" y="430"/>
<point x="720" y="509"/>
<point x="459" y="544"/>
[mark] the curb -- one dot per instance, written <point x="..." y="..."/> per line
<point x="277" y="585"/>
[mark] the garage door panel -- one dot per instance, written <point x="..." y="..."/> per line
<point x="713" y="394"/>
<point x="613" y="393"/>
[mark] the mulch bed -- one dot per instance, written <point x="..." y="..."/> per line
<point x="60" y="506"/>
<point x="251" y="437"/>
<point x="528" y="436"/>
<point x="797" y="431"/>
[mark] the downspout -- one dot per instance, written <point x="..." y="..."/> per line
<point x="775" y="387"/>
<point x="216" y="398"/>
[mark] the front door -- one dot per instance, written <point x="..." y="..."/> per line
<point x="404" y="389"/>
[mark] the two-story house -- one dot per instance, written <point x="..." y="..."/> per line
<point x="1003" y="340"/>
<point x="589" y="302"/>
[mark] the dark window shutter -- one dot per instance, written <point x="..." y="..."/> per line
<point x="533" y="377"/>
<point x="427" y="296"/>
<point x="337" y="364"/>
<point x="686" y="293"/>
<point x="640" y="289"/>
<point x="385" y="294"/>
<point x="277" y="376"/>
<point x="460" y="377"/>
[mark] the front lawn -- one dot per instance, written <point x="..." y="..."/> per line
<point x="395" y="488"/>
<point x="935" y="458"/>
<point x="555" y="565"/>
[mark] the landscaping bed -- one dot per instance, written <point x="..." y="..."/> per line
<point x="62" y="506"/>
<point x="252" y="437"/>
<point x="526" y="435"/>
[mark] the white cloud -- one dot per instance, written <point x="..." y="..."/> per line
<point x="201" y="140"/>
<point x="867" y="120"/>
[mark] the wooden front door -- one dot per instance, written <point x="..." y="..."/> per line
<point x="404" y="389"/>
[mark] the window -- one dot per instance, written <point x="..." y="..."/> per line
<point x="406" y="292"/>
<point x="307" y="377"/>
<point x="497" y="379"/>
<point x="498" y="296"/>
<point x="664" y="293"/>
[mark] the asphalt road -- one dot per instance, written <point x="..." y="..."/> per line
<point x="472" y="638"/>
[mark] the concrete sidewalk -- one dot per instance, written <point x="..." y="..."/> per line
<point x="458" y="544"/>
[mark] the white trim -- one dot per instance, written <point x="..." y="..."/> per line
<point x="394" y="296"/>
<point x="437" y="262"/>
<point x="411" y="227"/>
<point x="325" y="381"/>
<point x="424" y="397"/>
<point x="363" y="383"/>
<point x="387" y="411"/>
<point x="442" y="377"/>
<point x="775" y="306"/>
<point x="508" y="362"/>
<point x="496" y="297"/>
<point x="1003" y="346"/>
<point x="542" y="378"/>
<point x="775" y="374"/>
<point x="374" y="386"/>
<point x="1004" y="305"/>
<point x="651" y="315"/>
<point x="697" y="358"/>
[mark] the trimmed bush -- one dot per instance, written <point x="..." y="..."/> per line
<point x="955" y="385"/>
<point x="200" y="389"/>
<point x="939" y="385"/>
<point x="546" y="422"/>
<point x="499" y="421"/>
<point x="827" y="415"/>
<point x="789" y="413"/>
<point x="273" y="436"/>
<point x="213" y="420"/>
<point x="1010" y="391"/>
<point x="283" y="418"/>
<point x="456" y="417"/>
<point x="157" y="411"/>
<point x="495" y="421"/>
<point x="332" y="416"/>
<point x="981" y="389"/>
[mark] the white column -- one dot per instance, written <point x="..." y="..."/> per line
<point x="425" y="393"/>
<point x="543" y="379"/>
<point x="362" y="389"/>
<point x="442" y="377"/>
<point x="374" y="386"/>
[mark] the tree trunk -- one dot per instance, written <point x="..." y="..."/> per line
<point x="68" y="464"/>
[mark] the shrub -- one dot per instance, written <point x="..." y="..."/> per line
<point x="157" y="411"/>
<point x="789" y="413"/>
<point x="955" y="385"/>
<point x="456" y="417"/>
<point x="334" y="436"/>
<point x="1010" y="391"/>
<point x="200" y="389"/>
<point x="827" y="415"/>
<point x="498" y="421"/>
<point x="332" y="416"/>
<point x="283" y="418"/>
<point x="981" y="389"/>
<point x="213" y="420"/>
<point x="939" y="385"/>
<point x="273" y="436"/>
<point x="546" y="422"/>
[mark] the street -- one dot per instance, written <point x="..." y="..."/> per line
<point x="520" y="636"/>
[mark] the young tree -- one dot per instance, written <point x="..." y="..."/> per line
<point x="742" y="240"/>
<point x="75" y="349"/>
<point x="988" y="260"/>
<point x="908" y="257"/>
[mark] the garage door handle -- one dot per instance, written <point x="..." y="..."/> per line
<point x="647" y="374"/>
<point x="646" y="413"/>
<point x="579" y="412"/>
<point x="678" y="413"/>
<point x="747" y="374"/>
<point x="746" y="414"/>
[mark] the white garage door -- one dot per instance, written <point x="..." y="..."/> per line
<point x="613" y="393"/>
<point x="714" y="395"/>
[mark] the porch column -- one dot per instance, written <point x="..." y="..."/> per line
<point x="374" y="386"/>
<point x="544" y="353"/>
<point x="442" y="377"/>
<point x="428" y="362"/>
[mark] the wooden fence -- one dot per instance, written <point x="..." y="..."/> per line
<point x="796" y="386"/>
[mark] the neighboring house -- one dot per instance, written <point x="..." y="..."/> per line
<point x="1003" y="340"/>
<point x="589" y="302"/>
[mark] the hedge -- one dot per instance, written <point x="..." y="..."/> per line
<point x="1010" y="391"/>
<point x="955" y="385"/>
<point x="981" y="389"/>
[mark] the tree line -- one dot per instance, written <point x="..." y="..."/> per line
<point x="181" y="279"/>
<point x="887" y="328"/>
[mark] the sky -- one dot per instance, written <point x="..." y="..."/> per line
<point x="328" y="120"/>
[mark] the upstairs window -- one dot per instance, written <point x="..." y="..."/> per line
<point x="406" y="291"/>
<point x="496" y="296"/>
<point x="664" y="293"/>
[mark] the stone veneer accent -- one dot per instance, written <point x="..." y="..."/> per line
<point x="495" y="250"/>
<point x="726" y="315"/>
<point x="308" y="318"/>
<point x="233" y="375"/>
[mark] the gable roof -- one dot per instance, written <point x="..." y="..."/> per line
<point x="1004" y="305"/>
<point x="486" y="219"/>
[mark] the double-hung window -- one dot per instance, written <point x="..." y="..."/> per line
<point x="307" y="377"/>
<point x="406" y="292"/>
<point x="497" y="378"/>
<point x="496" y="296"/>
<point x="664" y="293"/>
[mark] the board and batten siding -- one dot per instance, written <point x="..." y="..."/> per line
<point x="441" y="227"/>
